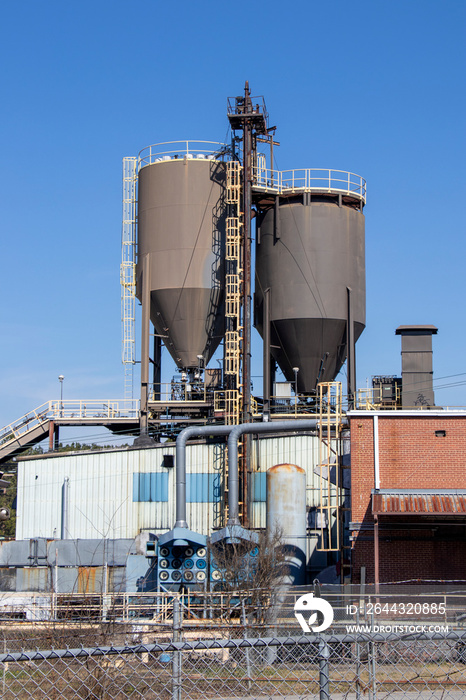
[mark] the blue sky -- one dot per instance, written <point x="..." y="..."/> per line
<point x="374" y="88"/>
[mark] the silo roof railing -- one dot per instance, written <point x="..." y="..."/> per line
<point x="173" y="150"/>
<point x="310" y="180"/>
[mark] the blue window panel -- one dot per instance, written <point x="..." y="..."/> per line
<point x="151" y="487"/>
<point x="259" y="487"/>
<point x="203" y="488"/>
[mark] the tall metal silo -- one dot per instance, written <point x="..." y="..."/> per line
<point x="286" y="516"/>
<point x="310" y="255"/>
<point x="181" y="225"/>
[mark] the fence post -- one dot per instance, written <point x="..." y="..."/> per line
<point x="324" y="680"/>
<point x="248" y="660"/>
<point x="176" y="665"/>
<point x="358" y="661"/>
<point x="372" y="661"/>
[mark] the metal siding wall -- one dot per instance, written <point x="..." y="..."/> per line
<point x="259" y="487"/>
<point x="101" y="488"/>
<point x="152" y="487"/>
<point x="302" y="450"/>
<point x="202" y="459"/>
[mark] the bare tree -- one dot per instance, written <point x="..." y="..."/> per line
<point x="254" y="572"/>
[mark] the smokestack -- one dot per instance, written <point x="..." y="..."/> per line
<point x="416" y="366"/>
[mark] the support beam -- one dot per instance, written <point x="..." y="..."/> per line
<point x="350" y="350"/>
<point x="144" y="440"/>
<point x="266" y="368"/>
<point x="51" y="435"/>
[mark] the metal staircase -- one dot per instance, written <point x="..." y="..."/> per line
<point x="34" y="426"/>
<point x="25" y="432"/>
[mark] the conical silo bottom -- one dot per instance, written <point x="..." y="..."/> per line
<point x="189" y="323"/>
<point x="304" y="343"/>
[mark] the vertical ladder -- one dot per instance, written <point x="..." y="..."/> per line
<point x="128" y="273"/>
<point x="329" y="400"/>
<point x="233" y="296"/>
<point x="233" y="304"/>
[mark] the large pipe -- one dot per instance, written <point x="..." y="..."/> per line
<point x="235" y="434"/>
<point x="180" y="474"/>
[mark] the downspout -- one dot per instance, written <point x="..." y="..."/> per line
<point x="376" y="517"/>
<point x="376" y="454"/>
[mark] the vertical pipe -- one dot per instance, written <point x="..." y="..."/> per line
<point x="247" y="202"/>
<point x="350" y="350"/>
<point x="273" y="367"/>
<point x="376" y="517"/>
<point x="143" y="422"/>
<point x="157" y="368"/>
<point x="247" y="176"/>
<point x="276" y="219"/>
<point x="65" y="490"/>
<point x="376" y="454"/>
<point x="144" y="439"/>
<point x="233" y="471"/>
<point x="376" y="553"/>
<point x="266" y="370"/>
<point x="180" y="460"/>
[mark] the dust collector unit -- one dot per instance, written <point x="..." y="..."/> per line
<point x="181" y="226"/>
<point x="310" y="251"/>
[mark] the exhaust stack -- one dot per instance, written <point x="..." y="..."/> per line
<point x="416" y="366"/>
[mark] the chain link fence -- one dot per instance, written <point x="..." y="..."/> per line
<point x="229" y="651"/>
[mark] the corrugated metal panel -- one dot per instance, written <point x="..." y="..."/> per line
<point x="302" y="450"/>
<point x="202" y="488"/>
<point x="101" y="488"/>
<point x="258" y="486"/>
<point x="152" y="487"/>
<point x="33" y="579"/>
<point x="419" y="504"/>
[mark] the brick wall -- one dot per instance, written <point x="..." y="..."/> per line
<point x="410" y="457"/>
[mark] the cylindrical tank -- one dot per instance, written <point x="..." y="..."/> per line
<point x="310" y="249"/>
<point x="181" y="224"/>
<point x="286" y="516"/>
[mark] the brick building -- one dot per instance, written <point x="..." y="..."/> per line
<point x="408" y="493"/>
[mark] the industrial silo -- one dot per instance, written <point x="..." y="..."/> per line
<point x="310" y="255"/>
<point x="181" y="225"/>
<point x="286" y="517"/>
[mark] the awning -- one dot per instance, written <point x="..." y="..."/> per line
<point x="419" y="502"/>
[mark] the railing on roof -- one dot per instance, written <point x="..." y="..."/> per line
<point x="173" y="150"/>
<point x="310" y="180"/>
<point x="369" y="399"/>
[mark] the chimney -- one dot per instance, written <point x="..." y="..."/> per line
<point x="416" y="366"/>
